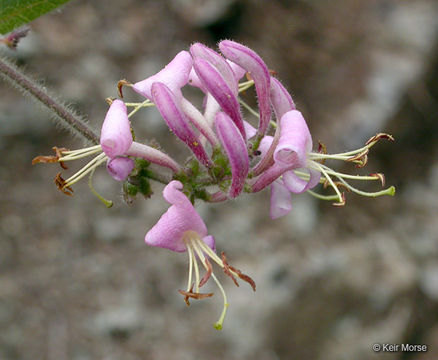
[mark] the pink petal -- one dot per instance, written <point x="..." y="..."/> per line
<point x="254" y="65"/>
<point x="215" y="83"/>
<point x="281" y="200"/>
<point x="170" y="110"/>
<point x="195" y="81"/>
<point x="235" y="148"/>
<point x="280" y="99"/>
<point x="265" y="144"/>
<point x="115" y="136"/>
<point x="180" y="217"/>
<point x="209" y="240"/>
<point x="295" y="141"/>
<point x="297" y="185"/>
<point x="120" y="167"/>
<point x="249" y="129"/>
<point x="238" y="71"/>
<point x="175" y="75"/>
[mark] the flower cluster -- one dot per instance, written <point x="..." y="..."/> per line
<point x="229" y="155"/>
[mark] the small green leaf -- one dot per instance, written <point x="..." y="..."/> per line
<point x="14" y="13"/>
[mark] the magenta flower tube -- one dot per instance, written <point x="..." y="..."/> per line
<point x="219" y="89"/>
<point x="171" y="112"/>
<point x="235" y="148"/>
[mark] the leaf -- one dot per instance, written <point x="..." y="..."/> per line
<point x="14" y="13"/>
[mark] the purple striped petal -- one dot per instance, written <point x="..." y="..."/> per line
<point x="120" y="167"/>
<point x="200" y="51"/>
<point x="170" y="110"/>
<point x="235" y="148"/>
<point x="175" y="75"/>
<point x="280" y="99"/>
<point x="219" y="89"/>
<point x="281" y="200"/>
<point x="254" y="65"/>
<point x="295" y="141"/>
<point x="116" y="136"/>
<point x="181" y="217"/>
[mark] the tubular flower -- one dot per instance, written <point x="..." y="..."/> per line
<point x="181" y="229"/>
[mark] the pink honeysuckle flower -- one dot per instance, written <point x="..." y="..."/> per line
<point x="218" y="87"/>
<point x="169" y="108"/>
<point x="181" y="229"/>
<point x="120" y="167"/>
<point x="257" y="69"/>
<point x="175" y="75"/>
<point x="235" y="148"/>
<point x="116" y="136"/>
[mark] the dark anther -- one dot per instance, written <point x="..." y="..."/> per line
<point x="60" y="183"/>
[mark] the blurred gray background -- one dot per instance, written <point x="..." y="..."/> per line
<point x="78" y="282"/>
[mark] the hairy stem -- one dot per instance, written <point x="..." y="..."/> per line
<point x="11" y="73"/>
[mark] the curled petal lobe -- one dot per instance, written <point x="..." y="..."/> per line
<point x="120" y="167"/>
<point x="281" y="200"/>
<point x="295" y="141"/>
<point x="280" y="98"/>
<point x="170" y="110"/>
<point x="219" y="89"/>
<point x="181" y="217"/>
<point x="254" y="65"/>
<point x="297" y="185"/>
<point x="235" y="148"/>
<point x="115" y="136"/>
<point x="175" y="75"/>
